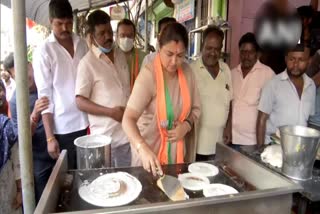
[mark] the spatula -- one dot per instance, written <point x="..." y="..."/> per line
<point x="172" y="187"/>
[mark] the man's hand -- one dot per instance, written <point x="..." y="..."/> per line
<point x="117" y="113"/>
<point x="53" y="149"/>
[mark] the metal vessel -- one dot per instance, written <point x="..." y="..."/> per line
<point x="93" y="151"/>
<point x="299" y="149"/>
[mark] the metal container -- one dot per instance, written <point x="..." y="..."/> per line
<point x="299" y="148"/>
<point x="93" y="151"/>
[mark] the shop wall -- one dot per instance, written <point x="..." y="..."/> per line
<point x="241" y="15"/>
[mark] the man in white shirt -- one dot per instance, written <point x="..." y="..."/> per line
<point x="55" y="69"/>
<point x="213" y="78"/>
<point x="287" y="99"/>
<point x="103" y="88"/>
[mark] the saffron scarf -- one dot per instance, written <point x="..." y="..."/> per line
<point x="165" y="117"/>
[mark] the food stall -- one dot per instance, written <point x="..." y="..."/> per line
<point x="256" y="193"/>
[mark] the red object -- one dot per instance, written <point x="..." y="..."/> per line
<point x="88" y="131"/>
<point x="30" y="23"/>
<point x="7" y="107"/>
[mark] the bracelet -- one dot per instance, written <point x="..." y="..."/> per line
<point x="50" y="139"/>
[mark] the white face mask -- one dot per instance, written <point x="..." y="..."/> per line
<point x="125" y="44"/>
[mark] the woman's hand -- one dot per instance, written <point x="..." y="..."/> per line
<point x="149" y="160"/>
<point x="178" y="132"/>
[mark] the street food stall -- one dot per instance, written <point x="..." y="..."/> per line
<point x="256" y="194"/>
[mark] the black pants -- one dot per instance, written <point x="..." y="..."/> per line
<point x="205" y="157"/>
<point x="66" y="142"/>
<point x="42" y="162"/>
<point x="42" y="170"/>
<point x="235" y="146"/>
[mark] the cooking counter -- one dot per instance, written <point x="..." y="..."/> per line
<point x="256" y="193"/>
<point x="71" y="201"/>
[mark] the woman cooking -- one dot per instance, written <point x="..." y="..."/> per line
<point x="164" y="105"/>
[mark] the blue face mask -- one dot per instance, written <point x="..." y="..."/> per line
<point x="102" y="49"/>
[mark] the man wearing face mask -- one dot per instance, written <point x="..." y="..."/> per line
<point x="102" y="87"/>
<point x="126" y="32"/>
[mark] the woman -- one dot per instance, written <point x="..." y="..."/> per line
<point x="165" y="100"/>
<point x="10" y="185"/>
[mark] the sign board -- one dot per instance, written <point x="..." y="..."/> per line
<point x="185" y="10"/>
<point x="117" y="13"/>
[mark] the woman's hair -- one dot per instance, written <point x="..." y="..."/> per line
<point x="174" y="32"/>
<point x="165" y="20"/>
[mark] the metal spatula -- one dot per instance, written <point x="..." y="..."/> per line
<point x="172" y="187"/>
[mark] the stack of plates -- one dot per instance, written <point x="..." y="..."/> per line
<point x="110" y="190"/>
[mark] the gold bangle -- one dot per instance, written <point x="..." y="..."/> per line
<point x="50" y="139"/>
